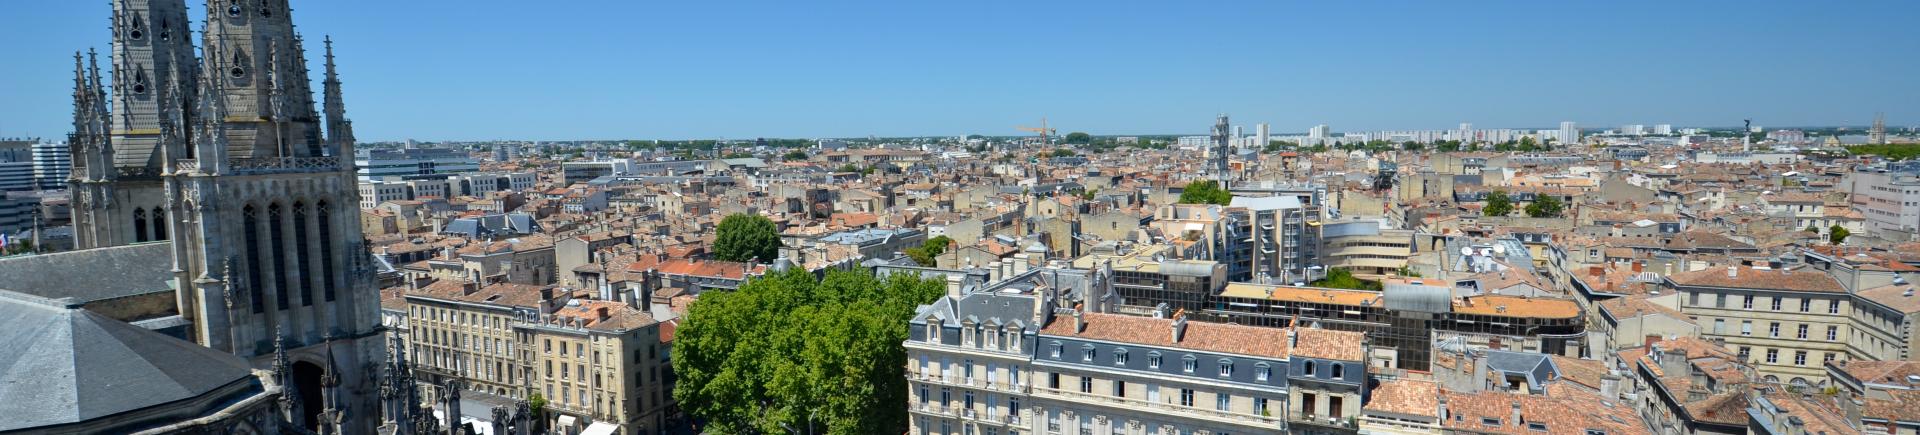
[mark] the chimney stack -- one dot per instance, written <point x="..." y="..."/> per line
<point x="1733" y="271"/>
<point x="1079" y="319"/>
<point x="1610" y="386"/>
<point x="1516" y="417"/>
<point x="1179" y="326"/>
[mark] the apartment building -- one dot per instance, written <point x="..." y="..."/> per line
<point x="1784" y="322"/>
<point x="464" y="330"/>
<point x="967" y="364"/>
<point x="1689" y="386"/>
<point x="596" y="362"/>
<point x="602" y="364"/>
<point x="1110" y="373"/>
<point x="1890" y="201"/>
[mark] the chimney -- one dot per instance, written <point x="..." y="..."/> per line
<point x="546" y="301"/>
<point x="1638" y="266"/>
<point x="1733" y="271"/>
<point x="469" y="287"/>
<point x="1179" y="326"/>
<point x="1673" y="362"/>
<point x="1079" y="320"/>
<point x="1443" y="409"/>
<point x="1516" y="417"/>
<point x="1610" y="386"/>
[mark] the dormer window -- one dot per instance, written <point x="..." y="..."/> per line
<point x="1262" y="371"/>
<point x="1189" y="364"/>
<point x="1153" y="360"/>
<point x="1086" y="353"/>
<point x="1339" y="371"/>
<point x="1226" y="367"/>
<point x="1120" y="357"/>
<point x="1055" y="350"/>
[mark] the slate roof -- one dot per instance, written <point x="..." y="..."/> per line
<point x="1765" y="279"/>
<point x="77" y="365"/>
<point x="92" y="274"/>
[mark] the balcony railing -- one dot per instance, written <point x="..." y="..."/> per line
<point x="269" y="165"/>
<point x="1169" y="408"/>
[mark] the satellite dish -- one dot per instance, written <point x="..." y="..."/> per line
<point x="1500" y="249"/>
<point x="1466" y="250"/>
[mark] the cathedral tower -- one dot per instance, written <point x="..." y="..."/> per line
<point x="224" y="156"/>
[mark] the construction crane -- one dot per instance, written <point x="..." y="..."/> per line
<point x="1043" y="130"/>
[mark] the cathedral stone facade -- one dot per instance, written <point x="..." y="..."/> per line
<point x="224" y="154"/>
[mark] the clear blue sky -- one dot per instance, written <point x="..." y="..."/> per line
<point x="494" y="69"/>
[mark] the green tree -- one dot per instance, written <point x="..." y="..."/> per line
<point x="1838" y="234"/>
<point x="743" y="237"/>
<point x="928" y="251"/>
<point x="1063" y="152"/>
<point x="849" y="168"/>
<point x="537" y="404"/>
<point x="1498" y="204"/>
<point x="1544" y="206"/>
<point x="1205" y="192"/>
<point x="794" y="156"/>
<point x="1079" y="138"/>
<point x="788" y="350"/>
<point x="1411" y="146"/>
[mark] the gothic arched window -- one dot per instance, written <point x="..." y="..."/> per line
<point x="300" y="252"/>
<point x="251" y="220"/>
<point x="135" y="31"/>
<point x="276" y="233"/>
<point x="159" y="224"/>
<point x="139" y="225"/>
<point x="326" y="249"/>
<point x="264" y="10"/>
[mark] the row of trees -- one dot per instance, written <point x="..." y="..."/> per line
<point x="1205" y="192"/>
<point x="788" y="353"/>
<point x="1543" y="206"/>
<point x="1899" y="151"/>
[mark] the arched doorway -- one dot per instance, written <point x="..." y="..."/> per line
<point x="306" y="379"/>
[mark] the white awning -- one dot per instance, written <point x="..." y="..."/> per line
<point x="600" y="428"/>
<point x="566" y="421"/>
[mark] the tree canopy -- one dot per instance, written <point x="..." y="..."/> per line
<point x="1205" y="192"/>
<point x="1498" y="204"/>
<point x="1899" y="151"/>
<point x="744" y="237"/>
<point x="927" y="252"/>
<point x="1544" y="206"/>
<point x="1079" y="138"/>
<point x="794" y="156"/>
<point x="1344" y="279"/>
<point x="1838" y="234"/>
<point x="786" y="350"/>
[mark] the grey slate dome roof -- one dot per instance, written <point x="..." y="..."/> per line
<point x="66" y="365"/>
